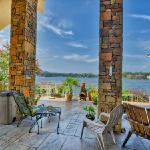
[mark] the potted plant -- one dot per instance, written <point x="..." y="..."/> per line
<point x="68" y="84"/>
<point x="90" y="112"/>
<point x="35" y="100"/>
<point x="91" y="90"/>
<point x="59" y="91"/>
<point x="94" y="98"/>
<point x="38" y="94"/>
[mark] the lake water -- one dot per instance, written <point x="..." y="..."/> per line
<point x="127" y="83"/>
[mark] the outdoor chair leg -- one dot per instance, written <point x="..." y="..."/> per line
<point x="84" y="125"/>
<point x="20" y="120"/>
<point x="59" y="120"/>
<point x="57" y="128"/>
<point x="113" y="137"/>
<point x="58" y="124"/>
<point x="38" y="126"/>
<point x="33" y="124"/>
<point x="41" y="123"/>
<point x="127" y="138"/>
<point x="101" y="141"/>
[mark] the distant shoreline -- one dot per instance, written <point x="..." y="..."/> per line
<point x="136" y="75"/>
<point x="125" y="75"/>
<point x="75" y="75"/>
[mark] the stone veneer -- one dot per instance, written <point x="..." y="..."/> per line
<point x="111" y="48"/>
<point x="23" y="46"/>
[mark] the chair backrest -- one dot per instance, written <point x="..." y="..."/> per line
<point x="148" y="114"/>
<point x="138" y="119"/>
<point x="115" y="116"/>
<point x="141" y="115"/>
<point x="24" y="108"/>
<point x="148" y="129"/>
<point x="141" y="120"/>
<point x="129" y="109"/>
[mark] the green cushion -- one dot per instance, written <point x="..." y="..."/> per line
<point x="22" y="104"/>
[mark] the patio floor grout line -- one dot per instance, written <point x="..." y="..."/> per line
<point x="63" y="143"/>
<point x="14" y="141"/>
<point x="43" y="140"/>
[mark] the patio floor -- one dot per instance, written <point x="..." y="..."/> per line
<point x="13" y="138"/>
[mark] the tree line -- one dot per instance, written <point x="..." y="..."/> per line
<point x="129" y="75"/>
<point x="136" y="75"/>
<point x="77" y="75"/>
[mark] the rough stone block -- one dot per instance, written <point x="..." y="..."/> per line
<point x="106" y="15"/>
<point x="106" y="56"/>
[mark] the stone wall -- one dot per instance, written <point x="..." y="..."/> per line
<point x="23" y="46"/>
<point x="111" y="47"/>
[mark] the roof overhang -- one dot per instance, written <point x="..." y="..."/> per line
<point x="5" y="11"/>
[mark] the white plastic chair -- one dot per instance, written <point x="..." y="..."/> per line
<point x="100" y="128"/>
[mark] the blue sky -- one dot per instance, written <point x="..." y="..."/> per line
<point x="67" y="37"/>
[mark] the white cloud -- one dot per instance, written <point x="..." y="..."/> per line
<point x="45" y="54"/>
<point x="144" y="31"/>
<point x="2" y="40"/>
<point x="41" y="21"/>
<point x="4" y="36"/>
<point x="135" y="56"/>
<point x="63" y="23"/>
<point x="139" y="16"/>
<point x="145" y="45"/>
<point x="50" y="22"/>
<point x="55" y="56"/>
<point x="82" y="58"/>
<point x="58" y="31"/>
<point x="77" y="45"/>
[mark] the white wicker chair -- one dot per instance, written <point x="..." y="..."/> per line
<point x="100" y="128"/>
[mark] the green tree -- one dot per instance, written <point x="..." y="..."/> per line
<point x="69" y="83"/>
<point x="4" y="67"/>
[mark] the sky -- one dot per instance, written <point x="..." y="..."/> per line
<point x="68" y="36"/>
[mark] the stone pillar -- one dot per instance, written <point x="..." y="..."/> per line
<point x="23" y="46"/>
<point x="110" y="55"/>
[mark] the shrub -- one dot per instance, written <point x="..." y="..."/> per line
<point x="69" y="83"/>
<point x="135" y="95"/>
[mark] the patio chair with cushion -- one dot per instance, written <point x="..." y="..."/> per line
<point x="100" y="128"/>
<point x="36" y="111"/>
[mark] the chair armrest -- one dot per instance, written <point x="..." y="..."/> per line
<point x="104" y="117"/>
<point x="125" y="116"/>
<point x="104" y="114"/>
<point x="97" y="127"/>
<point x="92" y="123"/>
<point x="54" y="109"/>
<point x="38" y="106"/>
